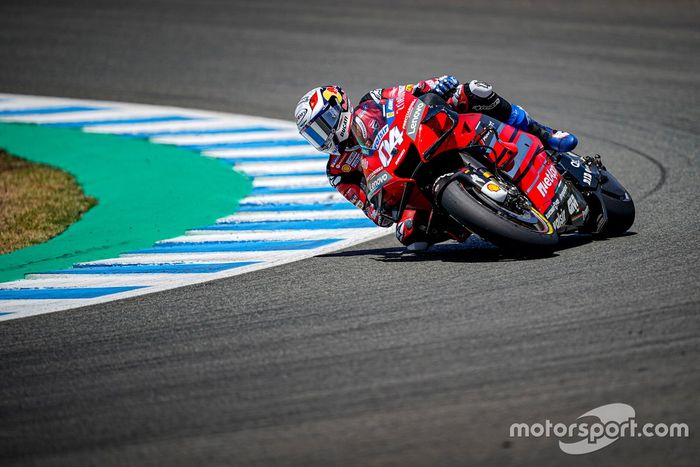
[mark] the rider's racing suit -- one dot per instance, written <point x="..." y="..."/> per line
<point x="345" y="173"/>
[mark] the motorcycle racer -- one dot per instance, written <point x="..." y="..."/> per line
<point x="328" y="122"/>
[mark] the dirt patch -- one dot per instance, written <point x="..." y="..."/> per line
<point x="37" y="202"/>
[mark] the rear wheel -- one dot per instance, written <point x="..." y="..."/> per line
<point x="525" y="232"/>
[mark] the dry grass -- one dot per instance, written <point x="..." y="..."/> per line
<point x="37" y="202"/>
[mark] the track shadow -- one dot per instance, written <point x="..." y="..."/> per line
<point x="468" y="252"/>
<point x="573" y="241"/>
<point x="474" y="250"/>
<point x="622" y="235"/>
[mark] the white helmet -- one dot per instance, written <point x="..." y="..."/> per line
<point x="323" y="117"/>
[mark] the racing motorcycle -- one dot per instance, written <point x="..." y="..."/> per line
<point x="473" y="173"/>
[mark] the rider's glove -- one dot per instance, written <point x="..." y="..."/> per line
<point x="446" y="84"/>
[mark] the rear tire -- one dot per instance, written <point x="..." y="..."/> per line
<point x="495" y="227"/>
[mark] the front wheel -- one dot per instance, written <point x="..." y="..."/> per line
<point x="526" y="232"/>
<point x="618" y="204"/>
<point x="612" y="208"/>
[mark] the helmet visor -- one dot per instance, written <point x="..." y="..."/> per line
<point x="320" y="131"/>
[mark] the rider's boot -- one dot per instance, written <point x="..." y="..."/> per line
<point x="556" y="140"/>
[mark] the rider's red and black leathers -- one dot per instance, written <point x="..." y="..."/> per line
<point x="345" y="173"/>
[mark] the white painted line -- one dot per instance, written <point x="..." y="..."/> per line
<point x="350" y="213"/>
<point x="94" y="280"/>
<point x="88" y="115"/>
<point x="25" y="308"/>
<point x="261" y="152"/>
<point x="291" y="182"/>
<point x="296" y="198"/>
<point x="221" y="138"/>
<point x="195" y="258"/>
<point x="245" y="120"/>
<point x="268" y="168"/>
<point x="15" y="102"/>
<point x="184" y="125"/>
<point x="199" y="236"/>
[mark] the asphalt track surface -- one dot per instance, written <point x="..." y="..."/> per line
<point x="370" y="357"/>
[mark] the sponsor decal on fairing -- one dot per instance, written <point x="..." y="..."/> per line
<point x="376" y="183"/>
<point x="550" y="176"/>
<point x="414" y="118"/>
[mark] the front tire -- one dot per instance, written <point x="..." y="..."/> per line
<point x="613" y="200"/>
<point x="497" y="225"/>
<point x="618" y="204"/>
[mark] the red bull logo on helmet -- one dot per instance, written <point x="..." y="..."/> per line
<point x="333" y="91"/>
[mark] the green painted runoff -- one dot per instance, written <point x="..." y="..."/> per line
<point x="146" y="192"/>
